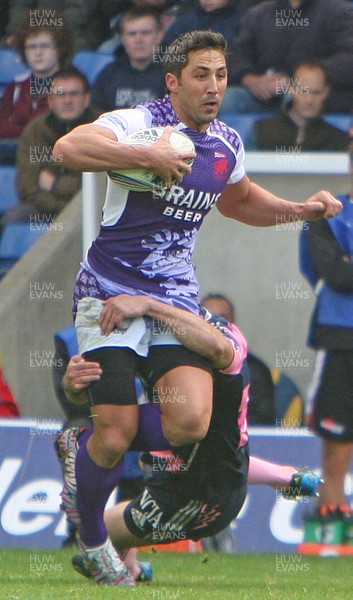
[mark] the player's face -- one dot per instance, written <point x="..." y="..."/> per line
<point x="219" y="307"/>
<point x="197" y="95"/>
<point x="311" y="93"/>
<point x="69" y="99"/>
<point x="41" y="54"/>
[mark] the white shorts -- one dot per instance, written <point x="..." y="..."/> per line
<point x="139" y="333"/>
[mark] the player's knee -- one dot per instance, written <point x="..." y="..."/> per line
<point x="187" y="432"/>
<point x="112" y="446"/>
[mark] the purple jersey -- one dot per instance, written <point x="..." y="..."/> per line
<point x="146" y="240"/>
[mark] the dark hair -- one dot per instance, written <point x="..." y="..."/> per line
<point x="215" y="296"/>
<point x="71" y="72"/>
<point x="314" y="63"/>
<point x="137" y="12"/>
<point x="177" y="55"/>
<point x="61" y="34"/>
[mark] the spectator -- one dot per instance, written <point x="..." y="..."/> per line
<point x="90" y="22"/>
<point x="88" y="18"/>
<point x="261" y="408"/>
<point x="45" y="50"/>
<point x="134" y="77"/>
<point x="45" y="187"/>
<point x="222" y="16"/>
<point x="300" y="126"/>
<point x="167" y="9"/>
<point x="278" y="34"/>
<point x="330" y="253"/>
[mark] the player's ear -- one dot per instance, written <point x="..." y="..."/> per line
<point x="171" y="82"/>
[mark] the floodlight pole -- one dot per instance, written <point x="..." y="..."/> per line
<point x="91" y="209"/>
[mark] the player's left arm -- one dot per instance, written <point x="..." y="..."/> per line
<point x="252" y="204"/>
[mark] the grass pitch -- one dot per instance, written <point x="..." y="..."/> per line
<point x="48" y="575"/>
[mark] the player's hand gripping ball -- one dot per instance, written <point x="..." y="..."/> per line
<point x="145" y="180"/>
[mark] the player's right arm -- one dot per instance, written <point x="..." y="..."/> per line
<point x="91" y="147"/>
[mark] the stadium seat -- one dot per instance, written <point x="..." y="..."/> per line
<point x="243" y="123"/>
<point x="91" y="63"/>
<point x="289" y="406"/>
<point x="16" y="239"/>
<point x="342" y="121"/>
<point x="8" y="192"/>
<point x="10" y="66"/>
<point x="68" y="337"/>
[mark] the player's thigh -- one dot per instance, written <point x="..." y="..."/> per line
<point x="185" y="396"/>
<point x="113" y="398"/>
<point x="182" y="382"/>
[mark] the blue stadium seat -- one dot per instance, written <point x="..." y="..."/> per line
<point x="16" y="239"/>
<point x="8" y="192"/>
<point x="91" y="63"/>
<point x="69" y="338"/>
<point x="10" y="66"/>
<point x="341" y="120"/>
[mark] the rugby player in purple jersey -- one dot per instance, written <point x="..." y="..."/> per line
<point x="145" y="246"/>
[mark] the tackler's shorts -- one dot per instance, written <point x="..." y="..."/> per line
<point x="182" y="506"/>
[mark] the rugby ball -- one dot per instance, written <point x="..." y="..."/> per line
<point x="145" y="180"/>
